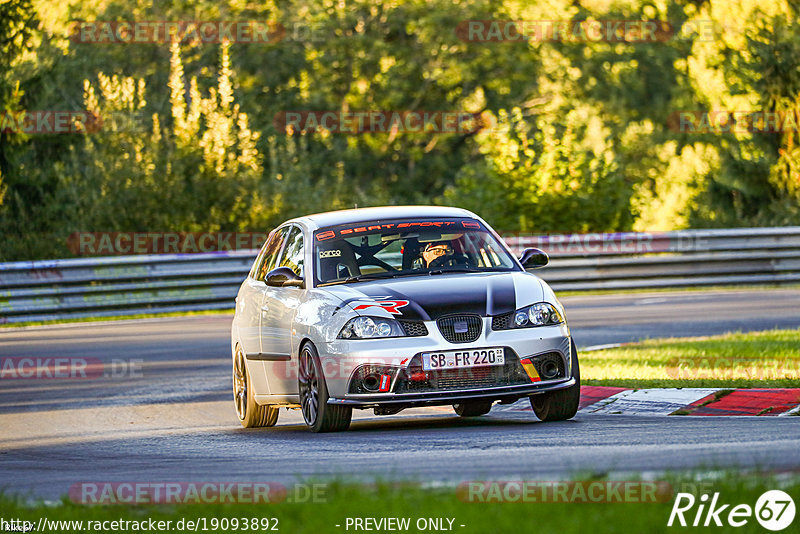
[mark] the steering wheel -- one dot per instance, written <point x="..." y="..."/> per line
<point x="438" y="263"/>
<point x="459" y="260"/>
<point x="455" y="260"/>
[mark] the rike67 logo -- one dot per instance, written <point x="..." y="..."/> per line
<point x="774" y="510"/>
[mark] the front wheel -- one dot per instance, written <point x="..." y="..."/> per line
<point x="562" y="404"/>
<point x="317" y="413"/>
<point x="250" y="414"/>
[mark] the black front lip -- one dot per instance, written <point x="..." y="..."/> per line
<point x="447" y="397"/>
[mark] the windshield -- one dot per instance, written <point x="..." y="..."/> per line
<point x="388" y="249"/>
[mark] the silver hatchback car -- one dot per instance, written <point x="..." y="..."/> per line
<point x="389" y="308"/>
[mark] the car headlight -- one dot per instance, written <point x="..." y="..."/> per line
<point x="370" y="328"/>
<point x="540" y="314"/>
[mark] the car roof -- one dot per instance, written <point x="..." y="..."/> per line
<point x="360" y="215"/>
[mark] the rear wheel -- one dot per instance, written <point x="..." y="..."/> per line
<point x="562" y="404"/>
<point x="317" y="413"/>
<point x="250" y="414"/>
<point x="472" y="408"/>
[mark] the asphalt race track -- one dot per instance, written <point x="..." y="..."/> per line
<point x="173" y="420"/>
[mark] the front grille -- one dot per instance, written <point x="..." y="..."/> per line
<point x="467" y="378"/>
<point x="414" y="328"/>
<point x="414" y="380"/>
<point x="502" y="322"/>
<point x="460" y="328"/>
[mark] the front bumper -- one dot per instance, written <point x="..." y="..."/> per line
<point x="341" y="360"/>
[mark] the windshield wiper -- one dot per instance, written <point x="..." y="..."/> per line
<point x="373" y="276"/>
<point x="361" y="278"/>
<point x="457" y="270"/>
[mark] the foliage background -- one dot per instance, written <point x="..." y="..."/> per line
<point x="581" y="138"/>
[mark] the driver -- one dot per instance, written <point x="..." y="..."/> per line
<point x="435" y="250"/>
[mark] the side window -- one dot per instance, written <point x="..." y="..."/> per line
<point x="292" y="256"/>
<point x="260" y="258"/>
<point x="271" y="251"/>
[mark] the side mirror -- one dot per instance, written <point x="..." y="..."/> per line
<point x="283" y="277"/>
<point x="533" y="258"/>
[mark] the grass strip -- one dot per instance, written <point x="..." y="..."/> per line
<point x="769" y="359"/>
<point x="579" y="512"/>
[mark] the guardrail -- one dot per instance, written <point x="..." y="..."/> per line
<point x="742" y="256"/>
<point x="130" y="285"/>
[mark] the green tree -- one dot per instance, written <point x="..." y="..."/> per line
<point x="582" y="143"/>
<point x="546" y="175"/>
<point x="17" y="26"/>
<point x="361" y="55"/>
<point x="196" y="169"/>
<point x="751" y="67"/>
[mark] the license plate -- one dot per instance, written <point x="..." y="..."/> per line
<point x="455" y="359"/>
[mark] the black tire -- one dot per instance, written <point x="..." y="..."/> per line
<point x="317" y="413"/>
<point x="250" y="413"/>
<point x="472" y="408"/>
<point x="562" y="404"/>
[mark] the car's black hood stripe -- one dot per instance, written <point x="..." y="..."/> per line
<point x="433" y="297"/>
<point x="501" y="295"/>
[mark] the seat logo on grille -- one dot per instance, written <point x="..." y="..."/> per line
<point x="460" y="327"/>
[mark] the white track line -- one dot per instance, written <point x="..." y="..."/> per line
<point x="600" y="347"/>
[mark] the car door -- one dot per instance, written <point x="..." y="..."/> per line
<point x="280" y="306"/>
<point x="249" y="310"/>
<point x="250" y="298"/>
